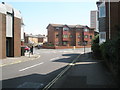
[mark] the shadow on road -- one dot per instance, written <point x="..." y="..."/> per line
<point x="67" y="58"/>
<point x="82" y="75"/>
<point x="87" y="73"/>
<point x="30" y="82"/>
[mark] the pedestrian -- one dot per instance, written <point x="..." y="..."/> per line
<point x="31" y="50"/>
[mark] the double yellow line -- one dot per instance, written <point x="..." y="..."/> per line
<point x="60" y="74"/>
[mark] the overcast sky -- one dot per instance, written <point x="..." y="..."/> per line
<point x="37" y="14"/>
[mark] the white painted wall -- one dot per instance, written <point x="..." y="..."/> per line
<point x="8" y="10"/>
<point x="22" y="33"/>
<point x="2" y="9"/>
<point x="9" y="26"/>
<point x="17" y="13"/>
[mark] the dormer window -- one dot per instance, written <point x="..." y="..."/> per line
<point x="57" y="28"/>
<point x="78" y="29"/>
<point x="86" y="30"/>
<point x="65" y="28"/>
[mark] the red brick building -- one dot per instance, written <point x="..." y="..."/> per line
<point x="34" y="39"/>
<point x="69" y="35"/>
<point x="109" y="19"/>
<point x="10" y="31"/>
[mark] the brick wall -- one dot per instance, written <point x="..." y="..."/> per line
<point x="114" y="19"/>
<point x="33" y="39"/>
<point x="40" y="40"/>
<point x="51" y="34"/>
<point x="75" y="37"/>
<point x="79" y="39"/>
<point x="17" y="37"/>
<point x="2" y="36"/>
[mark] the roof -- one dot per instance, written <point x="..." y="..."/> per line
<point x="2" y="9"/>
<point x="62" y="25"/>
<point x="35" y="36"/>
<point x="7" y="8"/>
<point x="57" y="25"/>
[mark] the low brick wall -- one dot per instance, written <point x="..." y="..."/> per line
<point x="64" y="47"/>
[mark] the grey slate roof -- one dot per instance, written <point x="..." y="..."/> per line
<point x="70" y="26"/>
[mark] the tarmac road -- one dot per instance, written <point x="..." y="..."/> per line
<point x="38" y="73"/>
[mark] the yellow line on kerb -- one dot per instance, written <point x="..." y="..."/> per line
<point x="60" y="74"/>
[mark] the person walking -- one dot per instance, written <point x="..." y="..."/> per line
<point x="31" y="50"/>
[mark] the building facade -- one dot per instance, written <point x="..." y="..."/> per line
<point x="94" y="19"/>
<point x="35" y="39"/>
<point x="109" y="20"/>
<point x="69" y="35"/>
<point x="10" y="31"/>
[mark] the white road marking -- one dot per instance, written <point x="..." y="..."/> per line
<point x="60" y="74"/>
<point x="54" y="58"/>
<point x="31" y="66"/>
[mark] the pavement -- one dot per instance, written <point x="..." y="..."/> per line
<point x="15" y="60"/>
<point x="87" y="73"/>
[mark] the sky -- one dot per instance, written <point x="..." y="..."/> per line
<point x="38" y="15"/>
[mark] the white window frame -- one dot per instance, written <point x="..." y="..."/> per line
<point x="86" y="30"/>
<point x="9" y="25"/>
<point x="65" y="28"/>
<point x="101" y="38"/>
<point x="103" y="9"/>
<point x="57" y="28"/>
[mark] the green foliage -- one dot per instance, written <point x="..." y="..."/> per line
<point x="96" y="39"/>
<point x="110" y="51"/>
<point x="96" y="47"/>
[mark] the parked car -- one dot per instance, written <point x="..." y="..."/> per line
<point x="27" y="48"/>
<point x="39" y="46"/>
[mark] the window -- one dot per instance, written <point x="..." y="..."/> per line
<point x="102" y="10"/>
<point x="85" y="42"/>
<point x="65" y="36"/>
<point x="86" y="36"/>
<point x="57" y="35"/>
<point x="57" y="43"/>
<point x="79" y="43"/>
<point x="90" y="36"/>
<point x="65" y="28"/>
<point x="85" y="29"/>
<point x="57" y="28"/>
<point x="64" y="43"/>
<point x="78" y="29"/>
<point x="78" y="36"/>
<point x="90" y="42"/>
<point x="71" y="36"/>
<point x="9" y="21"/>
<point x="102" y="37"/>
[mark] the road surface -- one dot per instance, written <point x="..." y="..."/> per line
<point x="38" y="73"/>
